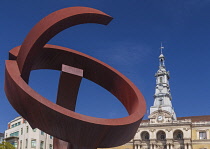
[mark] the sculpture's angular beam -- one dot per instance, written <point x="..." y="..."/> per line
<point x="70" y="79"/>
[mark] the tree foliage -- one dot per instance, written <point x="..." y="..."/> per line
<point x="6" y="145"/>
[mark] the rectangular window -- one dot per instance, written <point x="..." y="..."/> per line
<point x="34" y="129"/>
<point x="14" y="134"/>
<point x="202" y="135"/>
<point x="42" y="145"/>
<point x="42" y="132"/>
<point x="26" y="143"/>
<point x="14" y="144"/>
<point x="20" y="144"/>
<point x="50" y="146"/>
<point x="51" y="137"/>
<point x="27" y="129"/>
<point x="33" y="143"/>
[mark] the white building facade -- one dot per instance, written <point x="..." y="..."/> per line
<point x="22" y="136"/>
<point x="1" y="137"/>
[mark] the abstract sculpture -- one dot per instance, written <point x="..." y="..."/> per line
<point x="70" y="129"/>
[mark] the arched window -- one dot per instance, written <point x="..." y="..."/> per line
<point x="178" y="135"/>
<point x="161" y="135"/>
<point x="145" y="135"/>
<point x="161" y="101"/>
<point x="161" y="79"/>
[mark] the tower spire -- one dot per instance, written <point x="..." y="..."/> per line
<point x="162" y="97"/>
<point x="161" y="57"/>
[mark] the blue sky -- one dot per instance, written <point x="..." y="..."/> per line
<point x="130" y="44"/>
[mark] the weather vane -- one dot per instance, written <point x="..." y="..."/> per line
<point x="161" y="48"/>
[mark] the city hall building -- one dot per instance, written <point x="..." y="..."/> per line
<point x="162" y="129"/>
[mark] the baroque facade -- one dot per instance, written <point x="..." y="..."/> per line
<point x="162" y="129"/>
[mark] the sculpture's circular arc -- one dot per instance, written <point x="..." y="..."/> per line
<point x="51" y="25"/>
<point x="93" y="126"/>
<point x="44" y="114"/>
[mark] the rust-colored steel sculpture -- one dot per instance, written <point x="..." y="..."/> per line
<point x="70" y="129"/>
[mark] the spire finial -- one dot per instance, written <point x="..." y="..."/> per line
<point x="161" y="48"/>
<point x="161" y="57"/>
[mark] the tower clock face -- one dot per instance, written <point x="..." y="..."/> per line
<point x="160" y="118"/>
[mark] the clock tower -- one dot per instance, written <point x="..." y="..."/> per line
<point x="162" y="110"/>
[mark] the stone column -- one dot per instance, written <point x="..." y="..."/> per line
<point x="207" y="134"/>
<point x="154" y="146"/>
<point x="172" y="146"/>
<point x="189" y="146"/>
<point x="185" y="146"/>
<point x="135" y="146"/>
<point x="167" y="146"/>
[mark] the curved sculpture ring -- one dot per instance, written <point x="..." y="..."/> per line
<point x="59" y="120"/>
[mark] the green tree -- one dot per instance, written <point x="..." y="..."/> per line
<point x="6" y="145"/>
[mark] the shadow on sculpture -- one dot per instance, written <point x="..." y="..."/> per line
<point x="70" y="129"/>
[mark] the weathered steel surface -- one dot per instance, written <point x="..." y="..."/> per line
<point x="70" y="79"/>
<point x="60" y="120"/>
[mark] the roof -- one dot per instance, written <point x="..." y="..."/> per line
<point x="145" y="121"/>
<point x="161" y="56"/>
<point x="196" y="118"/>
<point x="193" y="118"/>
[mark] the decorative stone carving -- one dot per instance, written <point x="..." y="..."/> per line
<point x="187" y="128"/>
<point x="168" y="129"/>
<point x="152" y="130"/>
